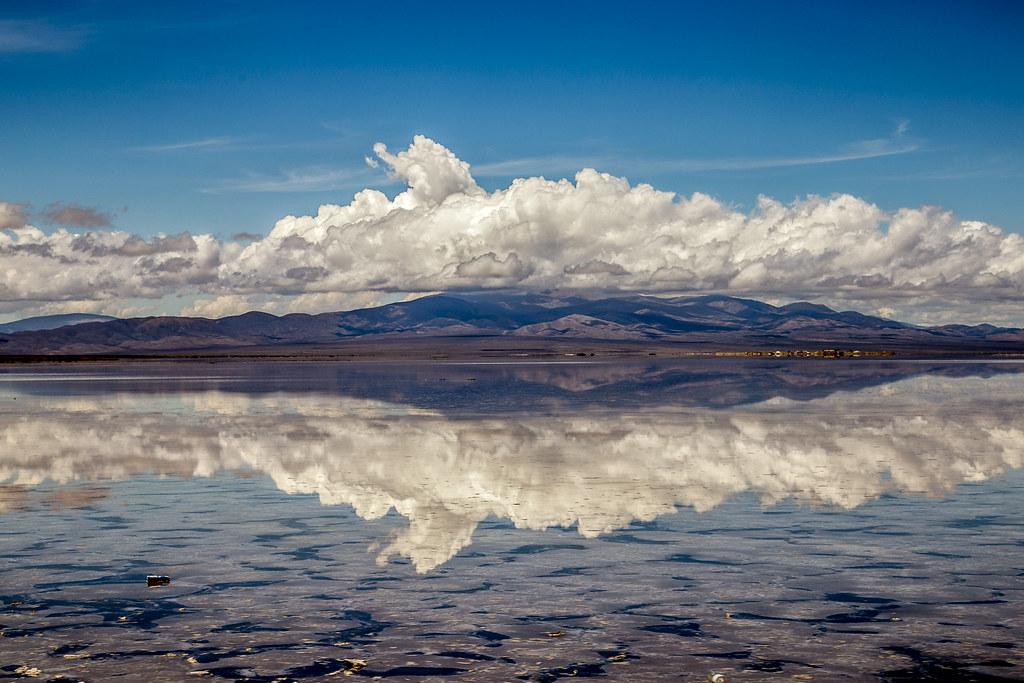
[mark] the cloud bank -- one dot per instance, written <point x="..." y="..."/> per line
<point x="596" y="233"/>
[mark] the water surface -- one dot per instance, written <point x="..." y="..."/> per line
<point x="643" y="521"/>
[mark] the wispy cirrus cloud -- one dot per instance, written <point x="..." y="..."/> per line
<point x="27" y="37"/>
<point x="310" y="179"/>
<point x="256" y="142"/>
<point x="896" y="144"/>
<point x="204" y="143"/>
<point x="543" y="164"/>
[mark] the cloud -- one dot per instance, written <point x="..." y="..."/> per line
<point x="595" y="267"/>
<point x="12" y="215"/>
<point x="431" y="172"/>
<point x="894" y="145"/>
<point x="316" y="179"/>
<point x="21" y="37"/>
<point x="444" y="232"/>
<point x="868" y="149"/>
<point x="544" y="165"/>
<point x="509" y="270"/>
<point x="224" y="305"/>
<point x="205" y="143"/>
<point x="306" y="273"/>
<point x="77" y="216"/>
<point x="103" y="265"/>
<point x="236" y="304"/>
<point x="595" y="232"/>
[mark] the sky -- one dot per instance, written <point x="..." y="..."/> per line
<point x="866" y="155"/>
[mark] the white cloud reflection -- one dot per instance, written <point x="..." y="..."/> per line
<point x="598" y="472"/>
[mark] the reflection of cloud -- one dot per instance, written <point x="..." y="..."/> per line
<point x="76" y="497"/>
<point x="13" y="498"/>
<point x="597" y="471"/>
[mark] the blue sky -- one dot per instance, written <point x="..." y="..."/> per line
<point x="222" y="117"/>
<point x="178" y="134"/>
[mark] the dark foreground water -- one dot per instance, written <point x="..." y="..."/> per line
<point x="805" y="520"/>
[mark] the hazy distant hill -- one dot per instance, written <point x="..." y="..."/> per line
<point x="721" y="321"/>
<point x="49" y="322"/>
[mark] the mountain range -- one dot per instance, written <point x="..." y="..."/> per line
<point x="711" y="321"/>
<point x="50" y="322"/>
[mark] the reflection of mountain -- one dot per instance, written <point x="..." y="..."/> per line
<point x="558" y="386"/>
<point x="519" y="386"/>
<point x="599" y="471"/>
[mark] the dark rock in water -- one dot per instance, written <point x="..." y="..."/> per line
<point x="490" y="635"/>
<point x="927" y="667"/>
<point x="154" y="581"/>
<point x="689" y="629"/>
<point x="580" y="670"/>
<point x="408" y="671"/>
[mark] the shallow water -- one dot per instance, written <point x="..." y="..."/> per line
<point x="644" y="521"/>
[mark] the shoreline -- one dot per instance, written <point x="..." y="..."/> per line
<point x="511" y="349"/>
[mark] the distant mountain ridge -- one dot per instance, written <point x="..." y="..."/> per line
<point x="710" y="320"/>
<point x="50" y="322"/>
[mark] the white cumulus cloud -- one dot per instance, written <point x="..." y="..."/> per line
<point x="595" y="232"/>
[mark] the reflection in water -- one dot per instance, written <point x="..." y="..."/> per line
<point x="510" y="387"/>
<point x="599" y="470"/>
<point x="108" y="474"/>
